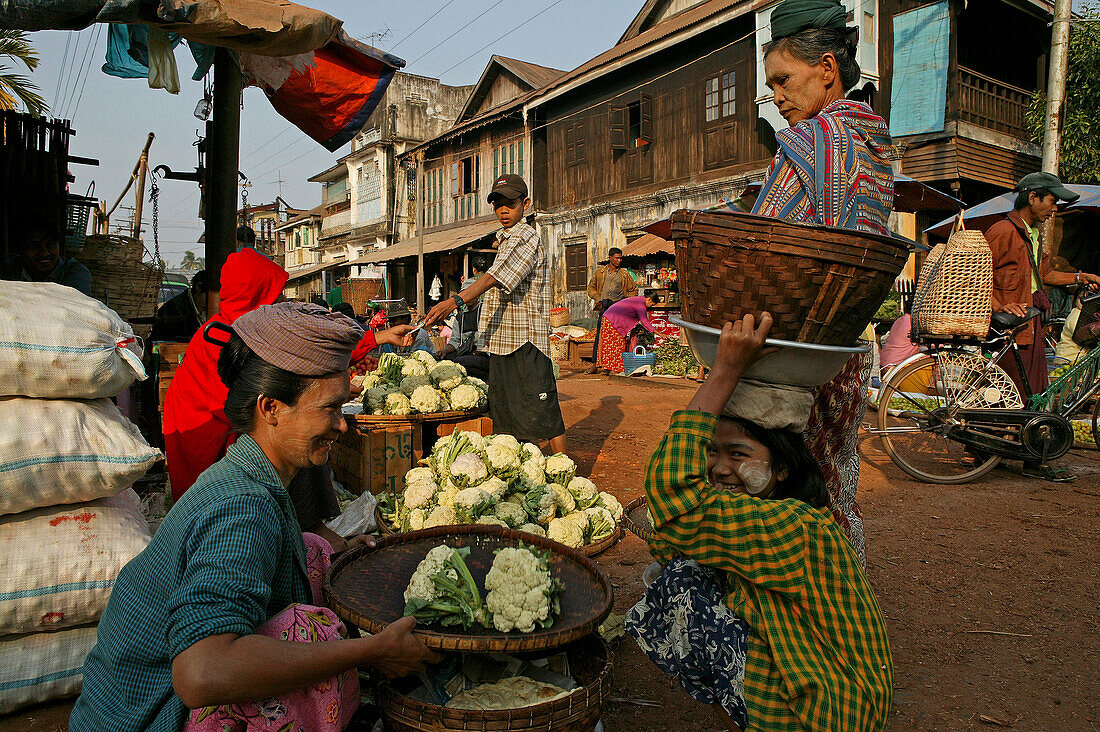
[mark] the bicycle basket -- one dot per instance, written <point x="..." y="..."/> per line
<point x="955" y="287"/>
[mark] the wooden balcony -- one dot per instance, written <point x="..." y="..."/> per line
<point x="992" y="104"/>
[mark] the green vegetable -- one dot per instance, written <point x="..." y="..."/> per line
<point x="458" y="602"/>
<point x="675" y="359"/>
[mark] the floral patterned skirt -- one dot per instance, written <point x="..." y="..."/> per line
<point x="609" y="348"/>
<point x="685" y="627"/>
<point x="324" y="707"/>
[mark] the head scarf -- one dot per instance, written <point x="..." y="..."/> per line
<point x="301" y="338"/>
<point x="794" y="16"/>
<point x="771" y="406"/>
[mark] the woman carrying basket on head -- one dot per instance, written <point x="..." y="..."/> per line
<point x="832" y="168"/>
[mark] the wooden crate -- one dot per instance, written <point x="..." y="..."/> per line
<point x="169" y="360"/>
<point x="376" y="458"/>
<point x="434" y="430"/>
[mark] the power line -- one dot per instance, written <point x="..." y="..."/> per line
<point x="98" y="35"/>
<point x="61" y="70"/>
<point x="500" y="38"/>
<point x="262" y="145"/>
<point x="63" y="91"/>
<point x="437" y="45"/>
<point x="426" y="21"/>
<point x="82" y="74"/>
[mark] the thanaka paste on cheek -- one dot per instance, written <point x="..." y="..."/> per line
<point x="755" y="475"/>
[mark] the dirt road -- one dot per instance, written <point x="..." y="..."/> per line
<point x="990" y="590"/>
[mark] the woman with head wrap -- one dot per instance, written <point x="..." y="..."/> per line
<point x="209" y="627"/>
<point x="832" y="168"/>
<point x="762" y="608"/>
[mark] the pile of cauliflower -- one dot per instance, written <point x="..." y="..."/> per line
<point x="470" y="479"/>
<point x="521" y="592"/>
<point x="418" y="384"/>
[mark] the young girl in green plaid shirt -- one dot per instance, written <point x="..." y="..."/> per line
<point x="762" y="608"/>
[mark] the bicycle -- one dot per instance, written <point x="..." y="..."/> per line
<point x="950" y="414"/>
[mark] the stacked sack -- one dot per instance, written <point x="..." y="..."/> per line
<point x="69" y="519"/>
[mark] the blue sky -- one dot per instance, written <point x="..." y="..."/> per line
<point x="113" y="116"/>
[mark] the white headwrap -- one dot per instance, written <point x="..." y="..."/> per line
<point x="771" y="406"/>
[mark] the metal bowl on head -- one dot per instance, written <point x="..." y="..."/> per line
<point x="794" y="364"/>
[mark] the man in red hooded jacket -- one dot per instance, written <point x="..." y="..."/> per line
<point x="196" y="430"/>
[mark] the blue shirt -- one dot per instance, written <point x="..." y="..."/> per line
<point x="228" y="557"/>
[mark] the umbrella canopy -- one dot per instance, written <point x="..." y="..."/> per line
<point x="987" y="213"/>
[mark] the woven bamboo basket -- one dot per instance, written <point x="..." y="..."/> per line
<point x="120" y="279"/>
<point x="636" y="519"/>
<point x="559" y="349"/>
<point x="365" y="587"/>
<point x="589" y="550"/>
<point x="559" y="317"/>
<point x="590" y="661"/>
<point x="821" y="284"/>
<point x="955" y="287"/>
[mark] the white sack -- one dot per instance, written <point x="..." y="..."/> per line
<point x="39" y="667"/>
<point x="55" y="452"/>
<point x="58" y="343"/>
<point x="61" y="562"/>
<point x="357" y="518"/>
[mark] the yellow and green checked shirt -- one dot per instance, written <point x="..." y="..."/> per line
<point x="818" y="656"/>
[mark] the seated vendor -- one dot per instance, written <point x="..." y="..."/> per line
<point x="217" y="622"/>
<point x="762" y="608"/>
<point x="38" y="255"/>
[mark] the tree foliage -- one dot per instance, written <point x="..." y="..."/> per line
<point x="1079" y="151"/>
<point x="15" y="89"/>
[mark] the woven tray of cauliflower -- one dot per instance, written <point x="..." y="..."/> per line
<point x="472" y="588"/>
<point x="496" y="480"/>
<point x="418" y="384"/>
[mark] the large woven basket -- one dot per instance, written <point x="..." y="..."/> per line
<point x="955" y="287"/>
<point x="590" y="662"/>
<point x="821" y="284"/>
<point x="559" y="317"/>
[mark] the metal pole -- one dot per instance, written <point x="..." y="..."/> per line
<point x="1056" y="85"/>
<point x="143" y="172"/>
<point x="221" y="171"/>
<point x="421" y="305"/>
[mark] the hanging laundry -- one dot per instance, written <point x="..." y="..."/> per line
<point x="162" y="62"/>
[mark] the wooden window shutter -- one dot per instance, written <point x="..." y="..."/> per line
<point x="618" y="118"/>
<point x="454" y="179"/>
<point x="570" y="145"/>
<point x="646" y="127"/>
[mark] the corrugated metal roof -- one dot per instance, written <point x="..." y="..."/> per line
<point x="535" y="75"/>
<point x="648" y="244"/>
<point x="437" y="241"/>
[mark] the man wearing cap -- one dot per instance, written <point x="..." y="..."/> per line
<point x="1021" y="268"/>
<point x="515" y="323"/>
<point x="221" y="619"/>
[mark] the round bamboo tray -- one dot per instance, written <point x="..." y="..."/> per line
<point x="590" y="662"/>
<point x="822" y="284"/>
<point x="385" y="419"/>
<point x="365" y="587"/>
<point x="635" y="518"/>
<point x="589" y="550"/>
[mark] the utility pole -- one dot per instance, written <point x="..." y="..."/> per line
<point x="279" y="180"/>
<point x="421" y="304"/>
<point x="1056" y="85"/>
<point x="224" y="143"/>
<point x="142" y="173"/>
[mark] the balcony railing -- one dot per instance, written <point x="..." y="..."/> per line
<point x="336" y="221"/>
<point x="992" y="104"/>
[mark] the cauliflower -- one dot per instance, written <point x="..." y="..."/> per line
<point x="410" y="383"/>
<point x="506" y="441"/>
<point x="478" y="442"/>
<point x="465" y="398"/>
<point x="397" y="403"/>
<point x="530" y="472"/>
<point x="601" y="524"/>
<point x="580" y="519"/>
<point x="425" y="358"/>
<point x="530" y="452"/>
<point x="371" y="379"/>
<point x="389" y="368"/>
<point x="420" y="495"/>
<point x="478" y="384"/>
<point x="516" y="498"/>
<point x="533" y="529"/>
<point x="447" y="375"/>
<point x="414" y="519"/>
<point x="444" y="402"/>
<point x="584" y="491"/>
<point x="421" y="585"/>
<point x="375" y="398"/>
<point x="419" y="475"/>
<point x="539" y="504"/>
<point x="510" y="513"/>
<point x="503" y="462"/>
<point x="490" y="520"/>
<point x="441" y="515"/>
<point x="563" y="498"/>
<point x="566" y="532"/>
<point x="495" y="487"/>
<point x="413" y="367"/>
<point x="522" y="593"/>
<point x="471" y="503"/>
<point x="447" y="493"/>
<point x="560" y="469"/>
<point x="424" y="399"/>
<point x="468" y="470"/>
<point x="611" y="503"/>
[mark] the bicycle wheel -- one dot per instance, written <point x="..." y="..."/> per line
<point x="914" y="414"/>
<point x="1096" y="422"/>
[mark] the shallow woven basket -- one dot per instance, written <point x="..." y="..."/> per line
<point x="365" y="587"/>
<point x="559" y="349"/>
<point x="589" y="550"/>
<point x="559" y="317"/>
<point x="635" y="518"/>
<point x="955" y="288"/>
<point x="821" y="284"/>
<point x="590" y="662"/>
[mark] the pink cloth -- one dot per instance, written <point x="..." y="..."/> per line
<point x="324" y="707"/>
<point x="627" y="313"/>
<point x="898" y="347"/>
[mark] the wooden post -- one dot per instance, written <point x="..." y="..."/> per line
<point x="221" y="171"/>
<point x="142" y="173"/>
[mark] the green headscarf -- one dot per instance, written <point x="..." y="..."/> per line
<point x="794" y="16"/>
